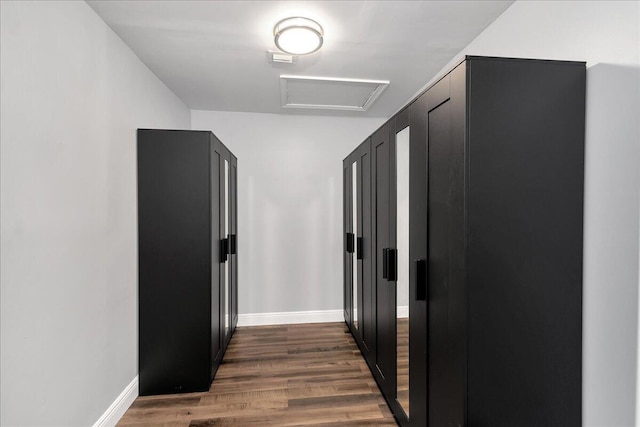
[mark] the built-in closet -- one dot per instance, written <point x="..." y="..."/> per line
<point x="188" y="272"/>
<point x="463" y="238"/>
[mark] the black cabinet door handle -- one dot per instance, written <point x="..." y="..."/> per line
<point x="232" y="244"/>
<point x="385" y="263"/>
<point x="359" y="248"/>
<point x="224" y="249"/>
<point x="421" y="279"/>
<point x="392" y="265"/>
<point x="349" y="242"/>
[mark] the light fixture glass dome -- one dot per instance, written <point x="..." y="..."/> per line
<point x="298" y="36"/>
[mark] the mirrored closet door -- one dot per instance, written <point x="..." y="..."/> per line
<point x="227" y="264"/>
<point x="402" y="282"/>
<point x="354" y="255"/>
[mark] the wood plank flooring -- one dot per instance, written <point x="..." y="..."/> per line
<point x="289" y="375"/>
<point x="402" y="353"/>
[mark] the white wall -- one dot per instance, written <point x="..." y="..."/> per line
<point x="72" y="97"/>
<point x="607" y="36"/>
<point x="289" y="205"/>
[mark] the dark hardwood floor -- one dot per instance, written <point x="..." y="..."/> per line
<point x="287" y="375"/>
<point x="402" y="353"/>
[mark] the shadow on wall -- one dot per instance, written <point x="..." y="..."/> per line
<point x="611" y="232"/>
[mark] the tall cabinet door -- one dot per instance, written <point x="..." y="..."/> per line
<point x="416" y="393"/>
<point x="445" y="250"/>
<point x="348" y="241"/>
<point x="217" y="250"/>
<point x="216" y="338"/>
<point x="383" y="258"/>
<point x="400" y="234"/>
<point x="362" y="296"/>
<point x="226" y="273"/>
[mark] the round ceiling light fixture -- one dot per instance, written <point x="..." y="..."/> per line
<point x="298" y="36"/>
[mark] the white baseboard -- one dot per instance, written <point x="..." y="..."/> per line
<point x="402" y="312"/>
<point x="290" y="317"/>
<point x="119" y="406"/>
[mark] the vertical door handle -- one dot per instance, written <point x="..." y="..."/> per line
<point x="224" y="249"/>
<point x="232" y="244"/>
<point x="392" y="265"/>
<point x="349" y="242"/>
<point x="421" y="279"/>
<point x="385" y="263"/>
<point x="359" y="248"/>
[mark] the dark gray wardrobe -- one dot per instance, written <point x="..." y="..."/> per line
<point x="469" y="223"/>
<point x="187" y="287"/>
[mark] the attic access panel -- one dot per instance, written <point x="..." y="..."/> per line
<point x="325" y="93"/>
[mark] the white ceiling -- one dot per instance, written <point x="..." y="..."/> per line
<point x="213" y="54"/>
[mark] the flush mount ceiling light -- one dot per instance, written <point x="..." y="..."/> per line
<point x="298" y="36"/>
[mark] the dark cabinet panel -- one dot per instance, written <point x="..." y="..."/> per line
<point x="445" y="186"/>
<point x="385" y="289"/>
<point x="359" y="293"/>
<point x="174" y="264"/>
<point x="180" y="253"/>
<point x="438" y="265"/>
<point x="418" y="325"/>
<point x="216" y="255"/>
<point x="348" y="241"/>
<point x="525" y="242"/>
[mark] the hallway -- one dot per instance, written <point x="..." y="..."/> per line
<point x="310" y="374"/>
